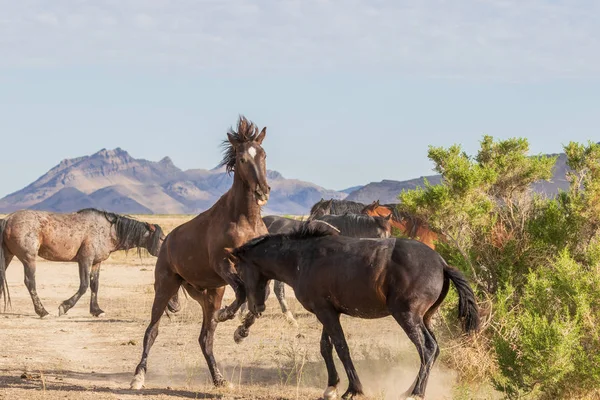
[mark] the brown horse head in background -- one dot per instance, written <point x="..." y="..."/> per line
<point x="193" y="254"/>
<point x="410" y="226"/>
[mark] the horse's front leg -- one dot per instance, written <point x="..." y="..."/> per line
<point x="230" y="275"/>
<point x="84" y="282"/>
<point x="95" y="309"/>
<point x="332" y="328"/>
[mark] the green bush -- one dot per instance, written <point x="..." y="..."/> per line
<point x="535" y="261"/>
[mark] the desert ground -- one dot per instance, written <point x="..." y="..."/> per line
<point x="78" y="356"/>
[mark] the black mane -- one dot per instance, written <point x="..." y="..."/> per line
<point x="247" y="131"/>
<point x="337" y="207"/>
<point x="304" y="231"/>
<point x="130" y="232"/>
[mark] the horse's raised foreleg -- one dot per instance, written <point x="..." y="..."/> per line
<point x="166" y="284"/>
<point x="424" y="342"/>
<point x="210" y="300"/>
<point x="29" y="267"/>
<point x="95" y="309"/>
<point x="331" y="324"/>
<point x="279" y="289"/>
<point x="174" y="306"/>
<point x="229" y="275"/>
<point x="84" y="283"/>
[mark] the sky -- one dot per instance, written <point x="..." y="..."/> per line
<point x="350" y="91"/>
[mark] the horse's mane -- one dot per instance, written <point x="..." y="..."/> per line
<point x="130" y="232"/>
<point x="338" y="207"/>
<point x="246" y="131"/>
<point x="357" y="223"/>
<point x="303" y="232"/>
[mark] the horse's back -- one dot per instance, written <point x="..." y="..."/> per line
<point x="53" y="236"/>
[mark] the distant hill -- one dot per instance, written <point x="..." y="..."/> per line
<point x="387" y="191"/>
<point x="115" y="181"/>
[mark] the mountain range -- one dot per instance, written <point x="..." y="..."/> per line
<point x="115" y="181"/>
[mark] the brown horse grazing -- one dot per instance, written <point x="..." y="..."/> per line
<point x="364" y="278"/>
<point x="409" y="225"/>
<point x="193" y="254"/>
<point x="87" y="237"/>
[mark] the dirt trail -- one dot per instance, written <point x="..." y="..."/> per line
<point x="78" y="356"/>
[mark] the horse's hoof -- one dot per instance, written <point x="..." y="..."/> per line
<point x="138" y="382"/>
<point x="98" y="314"/>
<point x="290" y="319"/>
<point x="222" y="383"/>
<point x="43" y="314"/>
<point x="62" y="310"/>
<point x="330" y="393"/>
<point x="239" y="335"/>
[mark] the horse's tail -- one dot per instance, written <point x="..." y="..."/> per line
<point x="468" y="311"/>
<point x="3" y="283"/>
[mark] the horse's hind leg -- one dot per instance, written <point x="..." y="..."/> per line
<point x="95" y="309"/>
<point x="279" y="289"/>
<point x="210" y="300"/>
<point x="29" y="267"/>
<point x="331" y="324"/>
<point x="426" y="345"/>
<point x="166" y="284"/>
<point x="84" y="283"/>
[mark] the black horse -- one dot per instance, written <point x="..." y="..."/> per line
<point x="353" y="225"/>
<point x="333" y="275"/>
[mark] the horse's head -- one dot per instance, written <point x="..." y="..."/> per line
<point x="371" y="209"/>
<point x="384" y="226"/>
<point x="322" y="207"/>
<point x="246" y="157"/>
<point x="255" y="283"/>
<point x="154" y="239"/>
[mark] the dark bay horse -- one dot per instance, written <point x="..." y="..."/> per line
<point x="193" y="254"/>
<point x="364" y="278"/>
<point x="409" y="225"/>
<point x="352" y="225"/>
<point x="335" y="207"/>
<point x="87" y="237"/>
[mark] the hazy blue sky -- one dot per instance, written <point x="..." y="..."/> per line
<point x="351" y="91"/>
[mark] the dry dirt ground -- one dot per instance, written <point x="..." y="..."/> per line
<point x="77" y="356"/>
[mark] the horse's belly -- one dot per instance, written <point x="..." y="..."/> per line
<point x="363" y="309"/>
<point x="58" y="252"/>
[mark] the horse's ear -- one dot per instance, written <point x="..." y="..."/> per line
<point x="376" y="202"/>
<point x="152" y="227"/>
<point x="261" y="136"/>
<point x="232" y="139"/>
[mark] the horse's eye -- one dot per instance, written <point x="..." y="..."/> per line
<point x="243" y="160"/>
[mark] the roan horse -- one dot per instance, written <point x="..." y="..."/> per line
<point x="409" y="225"/>
<point x="352" y="225"/>
<point x="87" y="237"/>
<point x="364" y="278"/>
<point x="193" y="254"/>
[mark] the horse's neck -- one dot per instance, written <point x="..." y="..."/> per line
<point x="241" y="202"/>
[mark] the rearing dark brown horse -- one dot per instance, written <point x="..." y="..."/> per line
<point x="193" y="254"/>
